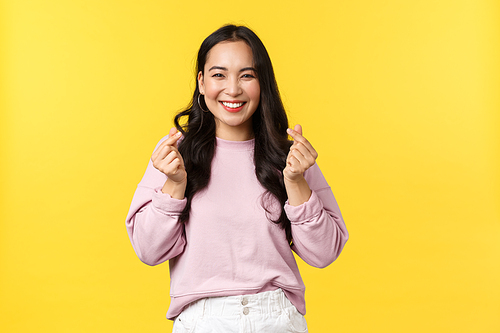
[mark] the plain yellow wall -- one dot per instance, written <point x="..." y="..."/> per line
<point x="400" y="98"/>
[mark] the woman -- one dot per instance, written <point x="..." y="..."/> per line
<point x="228" y="202"/>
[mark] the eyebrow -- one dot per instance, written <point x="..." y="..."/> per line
<point x="225" y="69"/>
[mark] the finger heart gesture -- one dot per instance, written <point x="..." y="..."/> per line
<point x="168" y="160"/>
<point x="301" y="157"/>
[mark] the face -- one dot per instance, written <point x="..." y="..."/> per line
<point x="231" y="89"/>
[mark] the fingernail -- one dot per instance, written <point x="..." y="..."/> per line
<point x="178" y="134"/>
<point x="289" y="130"/>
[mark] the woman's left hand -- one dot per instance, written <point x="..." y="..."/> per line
<point x="301" y="157"/>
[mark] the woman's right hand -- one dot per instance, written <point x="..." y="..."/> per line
<point x="169" y="161"/>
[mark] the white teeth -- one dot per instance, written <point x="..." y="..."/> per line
<point x="232" y="105"/>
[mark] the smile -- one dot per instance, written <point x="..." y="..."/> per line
<point x="233" y="105"/>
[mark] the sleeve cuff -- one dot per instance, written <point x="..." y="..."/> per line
<point x="164" y="203"/>
<point x="306" y="211"/>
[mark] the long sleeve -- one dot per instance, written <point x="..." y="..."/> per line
<point x="153" y="220"/>
<point x="318" y="230"/>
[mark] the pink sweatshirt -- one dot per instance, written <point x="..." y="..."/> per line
<point x="229" y="247"/>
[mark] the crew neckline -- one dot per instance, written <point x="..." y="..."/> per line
<point x="235" y="145"/>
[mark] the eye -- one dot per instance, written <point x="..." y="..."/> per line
<point x="248" y="76"/>
<point x="217" y="75"/>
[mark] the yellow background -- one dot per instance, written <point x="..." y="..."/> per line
<point x="400" y="98"/>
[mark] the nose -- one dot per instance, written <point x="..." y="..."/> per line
<point x="233" y="87"/>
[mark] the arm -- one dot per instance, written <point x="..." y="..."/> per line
<point x="152" y="222"/>
<point x="318" y="230"/>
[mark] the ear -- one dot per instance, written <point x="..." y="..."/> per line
<point x="201" y="85"/>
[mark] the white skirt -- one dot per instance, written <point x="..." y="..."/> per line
<point x="269" y="311"/>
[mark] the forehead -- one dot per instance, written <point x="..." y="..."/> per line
<point x="230" y="54"/>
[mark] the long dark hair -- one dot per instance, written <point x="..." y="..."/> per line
<point x="269" y="126"/>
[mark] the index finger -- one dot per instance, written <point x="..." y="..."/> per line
<point x="297" y="137"/>
<point x="174" y="133"/>
<point x="173" y="136"/>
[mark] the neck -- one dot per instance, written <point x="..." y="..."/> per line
<point x="236" y="133"/>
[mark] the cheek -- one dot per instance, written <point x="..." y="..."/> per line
<point x="211" y="90"/>
<point x="254" y="92"/>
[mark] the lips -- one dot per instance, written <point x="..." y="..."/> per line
<point x="232" y="106"/>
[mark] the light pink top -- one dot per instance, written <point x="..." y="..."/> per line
<point x="229" y="247"/>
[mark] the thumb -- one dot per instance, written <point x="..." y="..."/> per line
<point x="172" y="132"/>
<point x="298" y="129"/>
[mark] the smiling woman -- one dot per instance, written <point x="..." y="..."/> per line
<point x="228" y="198"/>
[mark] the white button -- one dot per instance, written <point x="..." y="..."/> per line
<point x="244" y="301"/>
<point x="245" y="311"/>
